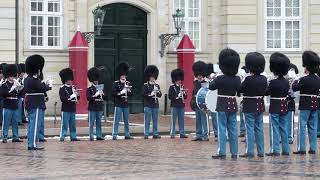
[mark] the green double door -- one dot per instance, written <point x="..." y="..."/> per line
<point x="123" y="38"/>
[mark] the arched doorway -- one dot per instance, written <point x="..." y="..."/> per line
<point x="123" y="39"/>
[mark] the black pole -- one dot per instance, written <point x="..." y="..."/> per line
<point x="17" y="32"/>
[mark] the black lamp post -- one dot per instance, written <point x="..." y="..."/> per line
<point x="166" y="39"/>
<point x="98" y="14"/>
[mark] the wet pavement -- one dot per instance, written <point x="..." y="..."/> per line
<point x="147" y="159"/>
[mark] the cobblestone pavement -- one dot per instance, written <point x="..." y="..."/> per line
<point x="146" y="159"/>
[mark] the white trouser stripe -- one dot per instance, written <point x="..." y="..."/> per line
<point x="218" y="150"/>
<point x="114" y="119"/>
<point x="245" y="125"/>
<point x="271" y="134"/>
<point x="298" y="138"/>
<point x="292" y="124"/>
<point x="61" y="125"/>
<point x="2" y="121"/>
<point x="208" y="126"/>
<point x="35" y="129"/>
<point x="171" y="132"/>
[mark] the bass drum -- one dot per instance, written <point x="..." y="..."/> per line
<point x="211" y="100"/>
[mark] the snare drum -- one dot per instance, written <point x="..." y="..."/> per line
<point x="206" y="100"/>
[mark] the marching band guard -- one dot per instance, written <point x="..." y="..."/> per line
<point x="228" y="86"/>
<point x="177" y="96"/>
<point x="95" y="106"/>
<point x="34" y="98"/>
<point x="308" y="86"/>
<point x="253" y="88"/>
<point x="1" y="81"/>
<point x="9" y="91"/>
<point x="209" y="77"/>
<point x="69" y="97"/>
<point x="151" y="93"/>
<point x="121" y="91"/>
<point x="199" y="70"/>
<point x="278" y="89"/>
<point x="20" y="112"/>
<point x="291" y="102"/>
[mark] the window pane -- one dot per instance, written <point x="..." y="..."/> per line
<point x="269" y="11"/>
<point x="277" y="25"/>
<point x="40" y="6"/>
<point x="288" y="34"/>
<point x="33" y="41"/>
<point x="269" y="3"/>
<point x="288" y="25"/>
<point x="296" y="3"/>
<point x="40" y="31"/>
<point x="50" y="21"/>
<point x="50" y="31"/>
<point x="296" y="34"/>
<point x="288" y="11"/>
<point x="50" y="41"/>
<point x="277" y="3"/>
<point x="277" y="44"/>
<point x="33" y="20"/>
<point x="269" y="35"/>
<point x="295" y="12"/>
<point x="296" y="44"/>
<point x="33" y="31"/>
<point x="50" y="7"/>
<point x="288" y="43"/>
<point x="40" y="20"/>
<point x="57" y="21"/>
<point x="277" y="35"/>
<point x="269" y="44"/>
<point x="288" y="3"/>
<point x="269" y="25"/>
<point x="57" y="31"/>
<point x="33" y="6"/>
<point x="277" y="12"/>
<point x="40" y="41"/>
<point x="296" y="25"/>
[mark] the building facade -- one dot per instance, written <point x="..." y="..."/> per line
<point x="131" y="30"/>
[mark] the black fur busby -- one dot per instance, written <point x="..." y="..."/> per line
<point x="209" y="69"/>
<point x="294" y="67"/>
<point x="229" y="61"/>
<point x="93" y="74"/>
<point x="311" y="61"/>
<point x="279" y="64"/>
<point x="255" y="62"/>
<point x="123" y="68"/>
<point x="176" y="75"/>
<point x="199" y="68"/>
<point x="66" y="74"/>
<point x="2" y="65"/>
<point x="34" y="64"/>
<point x="151" y="71"/>
<point x="21" y="68"/>
<point x="10" y="70"/>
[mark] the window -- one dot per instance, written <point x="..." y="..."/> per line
<point x="283" y="25"/>
<point x="192" y="21"/>
<point x="45" y="23"/>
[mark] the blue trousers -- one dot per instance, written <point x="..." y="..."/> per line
<point x="41" y="129"/>
<point x="177" y="113"/>
<point x="290" y="126"/>
<point x="307" y="119"/>
<point x="214" y="123"/>
<point x="68" y="119"/>
<point x="254" y="129"/>
<point x="33" y="126"/>
<point x="242" y="123"/>
<point x="278" y="128"/>
<point x="201" y="124"/>
<point x="1" y="109"/>
<point x="118" y="112"/>
<point x="10" y="118"/>
<point x="95" y="118"/>
<point x="148" y="114"/>
<point x="318" y="122"/>
<point x="19" y="110"/>
<point x="227" y="121"/>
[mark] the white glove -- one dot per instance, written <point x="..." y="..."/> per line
<point x="13" y="87"/>
<point x="123" y="91"/>
<point x="153" y="93"/>
<point x="16" y="82"/>
<point x="179" y="95"/>
<point x="73" y="96"/>
<point x="96" y="94"/>
<point x="49" y="82"/>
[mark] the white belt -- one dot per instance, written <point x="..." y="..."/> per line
<point x="35" y="94"/>
<point x="278" y="98"/>
<point x="252" y="97"/>
<point x="308" y="95"/>
<point x="225" y="96"/>
<point x="12" y="98"/>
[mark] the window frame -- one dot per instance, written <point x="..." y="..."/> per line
<point x="45" y="14"/>
<point x="283" y="19"/>
<point x="187" y="20"/>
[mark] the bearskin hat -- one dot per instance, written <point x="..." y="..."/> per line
<point x="10" y="70"/>
<point x="199" y="68"/>
<point x="93" y="74"/>
<point x="151" y="71"/>
<point x="255" y="62"/>
<point x="311" y="61"/>
<point x="279" y="64"/>
<point x="34" y="64"/>
<point x="21" y="68"/>
<point x="209" y="69"/>
<point x="123" y="68"/>
<point x="176" y="75"/>
<point x="2" y="65"/>
<point x="229" y="61"/>
<point x="294" y="68"/>
<point x="66" y="74"/>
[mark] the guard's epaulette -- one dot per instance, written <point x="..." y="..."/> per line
<point x="62" y="86"/>
<point x="172" y="84"/>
